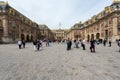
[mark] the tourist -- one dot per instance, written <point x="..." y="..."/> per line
<point x="92" y="45"/>
<point x="34" y="44"/>
<point x="119" y="44"/>
<point x="110" y="42"/>
<point x="23" y="42"/>
<point x="69" y="44"/>
<point x="19" y="44"/>
<point x="67" y="41"/>
<point x="104" y="42"/>
<point x="76" y="44"/>
<point x="83" y="43"/>
<point x="38" y="45"/>
<point x="97" y="41"/>
<point x="47" y="42"/>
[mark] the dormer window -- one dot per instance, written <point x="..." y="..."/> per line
<point x="106" y="22"/>
<point x="117" y="7"/>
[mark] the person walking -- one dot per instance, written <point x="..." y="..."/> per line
<point x="76" y="44"/>
<point x="38" y="45"/>
<point x="19" y="44"/>
<point x="47" y="42"/>
<point x="83" y="43"/>
<point x="23" y="42"/>
<point x="110" y="42"/>
<point x="34" y="44"/>
<point x="92" y="45"/>
<point x="104" y="42"/>
<point x="119" y="44"/>
<point x="68" y="44"/>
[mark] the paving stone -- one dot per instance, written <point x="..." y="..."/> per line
<point x="56" y="63"/>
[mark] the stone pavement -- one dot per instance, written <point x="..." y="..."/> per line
<point x="55" y="63"/>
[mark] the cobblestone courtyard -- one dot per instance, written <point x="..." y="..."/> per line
<point x="55" y="63"/>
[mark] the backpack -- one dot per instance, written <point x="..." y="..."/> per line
<point x="118" y="43"/>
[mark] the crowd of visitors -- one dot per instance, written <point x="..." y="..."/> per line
<point x="92" y="43"/>
<point x="38" y="43"/>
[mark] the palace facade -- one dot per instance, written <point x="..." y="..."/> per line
<point x="14" y="25"/>
<point x="104" y="25"/>
<point x="60" y="34"/>
<point x="45" y="32"/>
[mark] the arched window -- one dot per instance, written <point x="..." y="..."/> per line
<point x="1" y="9"/>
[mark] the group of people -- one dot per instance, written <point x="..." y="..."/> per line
<point x="20" y="43"/>
<point x="83" y="42"/>
<point x="92" y="43"/>
<point x="37" y="44"/>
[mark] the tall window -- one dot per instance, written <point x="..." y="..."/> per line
<point x="106" y="22"/>
<point x="13" y="36"/>
<point x="0" y="9"/>
<point x="13" y="23"/>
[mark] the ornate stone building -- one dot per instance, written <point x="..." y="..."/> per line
<point x="104" y="25"/>
<point x="60" y="34"/>
<point x="14" y="25"/>
<point x="45" y="32"/>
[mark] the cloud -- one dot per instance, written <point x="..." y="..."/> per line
<point x="51" y="12"/>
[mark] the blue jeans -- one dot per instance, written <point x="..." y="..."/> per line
<point x="119" y="48"/>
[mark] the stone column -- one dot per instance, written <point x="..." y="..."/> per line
<point x="115" y="29"/>
<point x="5" y="31"/>
<point x="85" y="34"/>
<point x="100" y="31"/>
<point x="19" y="27"/>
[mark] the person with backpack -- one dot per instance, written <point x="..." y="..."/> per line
<point x="19" y="44"/>
<point x="92" y="45"/>
<point x="76" y="42"/>
<point x="110" y="43"/>
<point x="69" y="44"/>
<point x="38" y="45"/>
<point x="34" y="44"/>
<point x="104" y="42"/>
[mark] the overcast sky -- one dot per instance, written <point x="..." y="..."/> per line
<point x="53" y="12"/>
